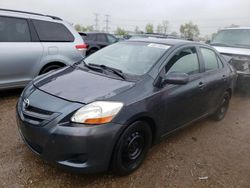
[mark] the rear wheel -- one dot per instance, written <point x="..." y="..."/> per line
<point x="222" y="109"/>
<point x="50" y="68"/>
<point x="132" y="148"/>
<point x="91" y="51"/>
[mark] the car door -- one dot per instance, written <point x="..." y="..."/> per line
<point x="18" y="53"/>
<point x="183" y="103"/>
<point x="215" y="76"/>
<point x="101" y="40"/>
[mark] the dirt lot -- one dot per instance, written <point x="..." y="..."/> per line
<point x="218" y="151"/>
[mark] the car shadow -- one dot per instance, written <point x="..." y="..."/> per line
<point x="10" y="93"/>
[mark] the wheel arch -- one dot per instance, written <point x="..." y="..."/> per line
<point x="50" y="64"/>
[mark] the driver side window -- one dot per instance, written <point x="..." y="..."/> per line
<point x="184" y="61"/>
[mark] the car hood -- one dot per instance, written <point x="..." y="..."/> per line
<point x="233" y="51"/>
<point x="80" y="86"/>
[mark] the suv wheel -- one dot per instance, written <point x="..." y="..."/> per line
<point x="222" y="109"/>
<point x="131" y="148"/>
<point x="92" y="51"/>
<point x="50" y="68"/>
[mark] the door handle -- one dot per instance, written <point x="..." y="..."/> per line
<point x="201" y="85"/>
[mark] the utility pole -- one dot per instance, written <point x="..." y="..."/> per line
<point x="96" y="21"/>
<point x="107" y="21"/>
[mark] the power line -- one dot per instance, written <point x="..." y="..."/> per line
<point x="107" y="21"/>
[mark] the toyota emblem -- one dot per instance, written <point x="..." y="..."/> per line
<point x="26" y="103"/>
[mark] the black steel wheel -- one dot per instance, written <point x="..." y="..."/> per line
<point x="132" y="148"/>
<point x="223" y="107"/>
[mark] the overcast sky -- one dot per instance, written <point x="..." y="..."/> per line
<point x="210" y="15"/>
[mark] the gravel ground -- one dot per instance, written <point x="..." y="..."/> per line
<point x="206" y="154"/>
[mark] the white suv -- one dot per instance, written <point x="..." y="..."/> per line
<point x="235" y="42"/>
<point x="32" y="44"/>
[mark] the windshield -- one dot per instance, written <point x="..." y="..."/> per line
<point x="233" y="37"/>
<point x="135" y="58"/>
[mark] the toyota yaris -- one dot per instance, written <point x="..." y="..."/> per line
<point x="106" y="111"/>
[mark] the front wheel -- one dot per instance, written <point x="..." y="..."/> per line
<point x="131" y="148"/>
<point x="223" y="107"/>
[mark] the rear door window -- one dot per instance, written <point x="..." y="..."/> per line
<point x="52" y="32"/>
<point x="101" y="38"/>
<point x="91" y="37"/>
<point x="184" y="61"/>
<point x="210" y="59"/>
<point x="14" y="30"/>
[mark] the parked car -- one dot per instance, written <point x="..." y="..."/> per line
<point x="95" y="40"/>
<point x="235" y="42"/>
<point x="32" y="44"/>
<point x="112" y="107"/>
<point x="151" y="35"/>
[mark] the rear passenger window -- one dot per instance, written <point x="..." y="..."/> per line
<point x="91" y="37"/>
<point x="210" y="59"/>
<point x="52" y="32"/>
<point x="14" y="30"/>
<point x="101" y="38"/>
<point x="184" y="61"/>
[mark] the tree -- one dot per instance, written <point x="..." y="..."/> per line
<point x="165" y="26"/>
<point x="78" y="27"/>
<point x="149" y="28"/>
<point x="190" y="31"/>
<point x="120" y="31"/>
<point x="89" y="28"/>
<point x="159" y="28"/>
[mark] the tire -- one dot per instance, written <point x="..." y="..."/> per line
<point x="92" y="51"/>
<point x="223" y="107"/>
<point x="131" y="148"/>
<point x="50" y="68"/>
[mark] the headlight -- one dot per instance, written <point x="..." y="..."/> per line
<point x="97" y="112"/>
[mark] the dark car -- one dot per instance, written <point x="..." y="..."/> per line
<point x="95" y="41"/>
<point x="107" y="111"/>
<point x="235" y="42"/>
<point x="151" y="35"/>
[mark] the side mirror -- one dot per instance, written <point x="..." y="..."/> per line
<point x="175" y="78"/>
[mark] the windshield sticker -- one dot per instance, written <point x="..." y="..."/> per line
<point x="162" y="46"/>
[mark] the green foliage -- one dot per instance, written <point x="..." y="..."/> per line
<point x="88" y="28"/>
<point x="80" y="28"/>
<point x="120" y="31"/>
<point x="190" y="30"/>
<point x="149" y="28"/>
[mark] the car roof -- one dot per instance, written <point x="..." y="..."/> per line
<point x="166" y="41"/>
<point x="24" y="14"/>
<point x="235" y="28"/>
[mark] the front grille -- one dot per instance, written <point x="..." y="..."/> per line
<point x="36" y="116"/>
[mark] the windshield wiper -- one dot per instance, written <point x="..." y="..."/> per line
<point x="114" y="70"/>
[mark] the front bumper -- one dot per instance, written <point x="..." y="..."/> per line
<point x="79" y="148"/>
